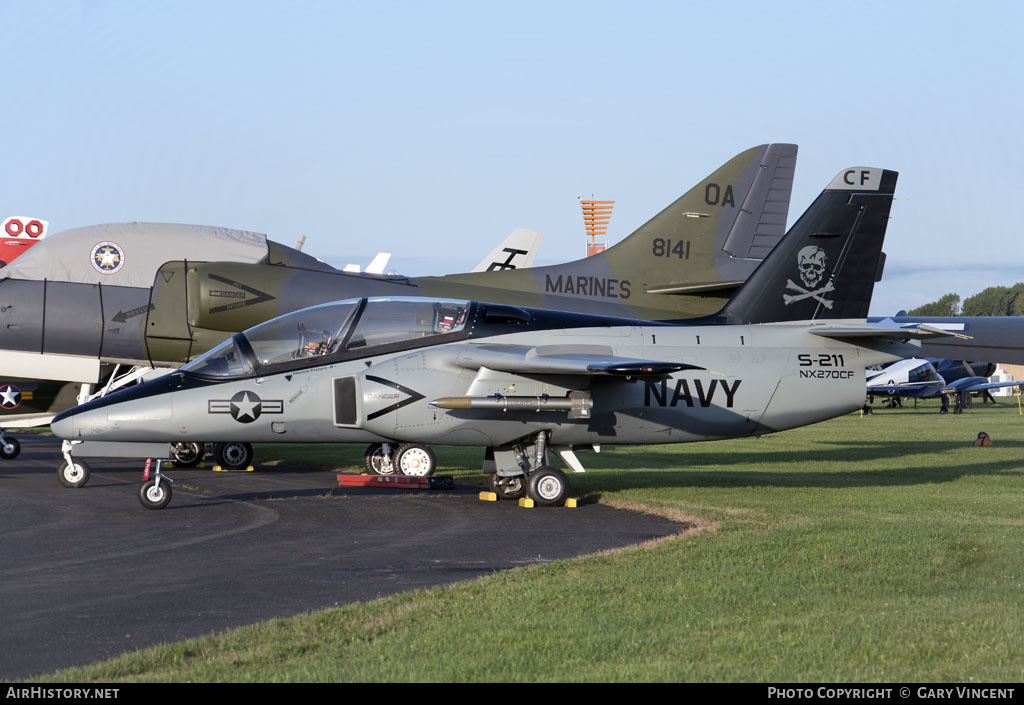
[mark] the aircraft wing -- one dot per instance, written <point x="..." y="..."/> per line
<point x="916" y="331"/>
<point x="972" y="384"/>
<point x="907" y="389"/>
<point x="562" y="360"/>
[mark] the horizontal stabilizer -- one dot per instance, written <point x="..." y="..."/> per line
<point x="696" y="288"/>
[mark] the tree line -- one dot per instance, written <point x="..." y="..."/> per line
<point x="993" y="301"/>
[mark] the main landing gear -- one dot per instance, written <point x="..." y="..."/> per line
<point x="230" y="456"/>
<point x="411" y="459"/>
<point x="514" y="472"/>
<point x="9" y="447"/>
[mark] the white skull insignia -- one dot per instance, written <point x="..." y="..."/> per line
<point x="812" y="261"/>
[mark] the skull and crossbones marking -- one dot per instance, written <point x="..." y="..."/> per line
<point x="811" y="261"/>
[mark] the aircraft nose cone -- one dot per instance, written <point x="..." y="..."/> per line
<point x="63" y="425"/>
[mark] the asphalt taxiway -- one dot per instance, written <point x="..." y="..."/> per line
<point x="88" y="573"/>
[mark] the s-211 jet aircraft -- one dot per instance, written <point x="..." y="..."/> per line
<point x="520" y="381"/>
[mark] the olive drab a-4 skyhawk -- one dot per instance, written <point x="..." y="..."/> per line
<point x="158" y="295"/>
<point x="789" y="349"/>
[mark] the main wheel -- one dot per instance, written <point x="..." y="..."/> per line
<point x="234" y="455"/>
<point x="187" y="455"/>
<point x="548" y="486"/>
<point x="153" y="496"/>
<point x="415" y="460"/>
<point x="74" y="475"/>
<point x="10" y="448"/>
<point x="507" y="487"/>
<point x="378" y="462"/>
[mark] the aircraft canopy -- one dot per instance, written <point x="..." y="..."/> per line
<point x="343" y="329"/>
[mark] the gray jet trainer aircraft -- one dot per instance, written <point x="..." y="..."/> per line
<point x="789" y="349"/>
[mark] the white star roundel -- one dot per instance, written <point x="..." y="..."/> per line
<point x="10" y="396"/>
<point x="246" y="407"/>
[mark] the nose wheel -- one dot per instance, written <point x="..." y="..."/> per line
<point x="74" y="473"/>
<point x="155" y="494"/>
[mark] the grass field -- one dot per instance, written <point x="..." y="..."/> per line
<point x="878" y="548"/>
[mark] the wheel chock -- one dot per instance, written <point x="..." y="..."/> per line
<point x="218" y="468"/>
<point x="488" y="496"/>
<point x="571" y="503"/>
<point x="526" y="502"/>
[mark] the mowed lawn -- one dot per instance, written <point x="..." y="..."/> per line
<point x="876" y="548"/>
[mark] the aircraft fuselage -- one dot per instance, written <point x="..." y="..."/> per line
<point x="756" y="379"/>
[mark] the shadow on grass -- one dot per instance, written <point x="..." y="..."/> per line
<point x="895" y="476"/>
<point x="823" y="452"/>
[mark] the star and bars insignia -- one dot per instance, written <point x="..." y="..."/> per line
<point x="245" y="407"/>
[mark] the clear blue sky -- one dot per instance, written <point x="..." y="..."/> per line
<point x="433" y="129"/>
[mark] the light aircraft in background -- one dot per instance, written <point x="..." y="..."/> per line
<point x="789" y="349"/>
<point x="921" y="378"/>
<point x="517" y="251"/>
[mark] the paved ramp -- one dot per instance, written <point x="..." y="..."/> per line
<point x="88" y="574"/>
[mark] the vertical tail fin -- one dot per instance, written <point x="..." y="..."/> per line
<point x="709" y="234"/>
<point x="827" y="264"/>
<point x="684" y="262"/>
<point x="517" y="251"/>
